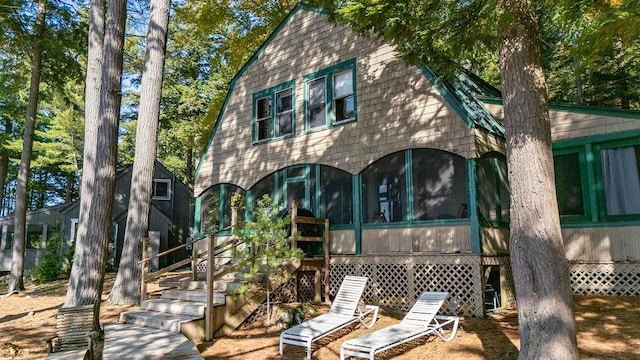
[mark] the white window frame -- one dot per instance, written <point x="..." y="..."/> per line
<point x="164" y="197"/>
<point x="346" y="95"/>
<point x="74" y="230"/>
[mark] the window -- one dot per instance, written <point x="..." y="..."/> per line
<point x="415" y="185"/>
<point x="8" y="245"/>
<point x="336" y="199"/>
<point x="73" y="234"/>
<point x="284" y="112"/>
<point x="263" y="121"/>
<point x="215" y="207"/>
<point x="570" y="190"/>
<point x="598" y="182"/>
<point x="343" y="99"/>
<point x="330" y="96"/>
<point x="316" y="106"/>
<point x="621" y="180"/>
<point x="493" y="188"/>
<point x="273" y="113"/>
<point x="385" y="190"/>
<point x="266" y="186"/>
<point x="439" y="185"/>
<point x="35" y="236"/>
<point x="161" y="189"/>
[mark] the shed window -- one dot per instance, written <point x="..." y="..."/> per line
<point x="161" y="189"/>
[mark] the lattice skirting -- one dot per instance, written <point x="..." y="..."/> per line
<point x="621" y="279"/>
<point x="306" y="286"/>
<point x="397" y="281"/>
<point x="613" y="278"/>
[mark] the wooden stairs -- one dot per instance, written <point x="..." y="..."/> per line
<point x="181" y="308"/>
<point x="190" y="308"/>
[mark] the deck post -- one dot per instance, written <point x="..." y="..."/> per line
<point x="144" y="270"/>
<point x="209" y="320"/>
<point x="294" y="225"/>
<point x="194" y="260"/>
<point x="326" y="247"/>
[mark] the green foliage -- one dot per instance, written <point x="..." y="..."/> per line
<point x="50" y="264"/>
<point x="591" y="49"/>
<point x="268" y="246"/>
<point x="591" y="52"/>
<point x="266" y="237"/>
<point x="238" y="201"/>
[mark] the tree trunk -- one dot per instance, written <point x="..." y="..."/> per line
<point x="543" y="291"/>
<point x="126" y="289"/>
<point x="99" y="170"/>
<point x="68" y="189"/>
<point x="16" y="281"/>
<point x="4" y="165"/>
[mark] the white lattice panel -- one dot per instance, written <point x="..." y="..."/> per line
<point x="621" y="279"/>
<point x="397" y="281"/>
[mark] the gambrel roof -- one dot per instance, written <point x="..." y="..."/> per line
<point x="461" y="95"/>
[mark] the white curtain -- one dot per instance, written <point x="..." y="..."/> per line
<point x="621" y="181"/>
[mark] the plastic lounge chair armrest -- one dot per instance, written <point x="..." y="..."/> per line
<point x="443" y="320"/>
<point x="365" y="310"/>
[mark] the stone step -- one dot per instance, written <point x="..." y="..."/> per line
<point x="174" y="306"/>
<point x="158" y="320"/>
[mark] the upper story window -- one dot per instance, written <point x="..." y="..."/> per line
<point x="330" y="96"/>
<point x="161" y="189"/>
<point x="273" y="115"/>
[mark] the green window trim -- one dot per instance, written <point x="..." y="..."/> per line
<point x="269" y="98"/>
<point x="589" y="149"/>
<point x="332" y="101"/>
<point x="408" y="201"/>
<point x="586" y="184"/>
<point x="602" y="209"/>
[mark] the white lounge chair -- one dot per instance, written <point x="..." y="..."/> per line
<point x="345" y="311"/>
<point x="421" y="320"/>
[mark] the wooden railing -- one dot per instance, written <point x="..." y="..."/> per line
<point x="197" y="256"/>
<point x="325" y="238"/>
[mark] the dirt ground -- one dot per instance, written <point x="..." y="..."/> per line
<point x="607" y="329"/>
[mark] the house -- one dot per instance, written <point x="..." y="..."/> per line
<point x="410" y="170"/>
<point x="169" y="220"/>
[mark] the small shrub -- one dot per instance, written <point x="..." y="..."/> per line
<point x="50" y="264"/>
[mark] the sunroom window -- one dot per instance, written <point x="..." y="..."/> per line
<point x="384" y="195"/>
<point x="215" y="207"/>
<point x="493" y="188"/>
<point x="439" y="185"/>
